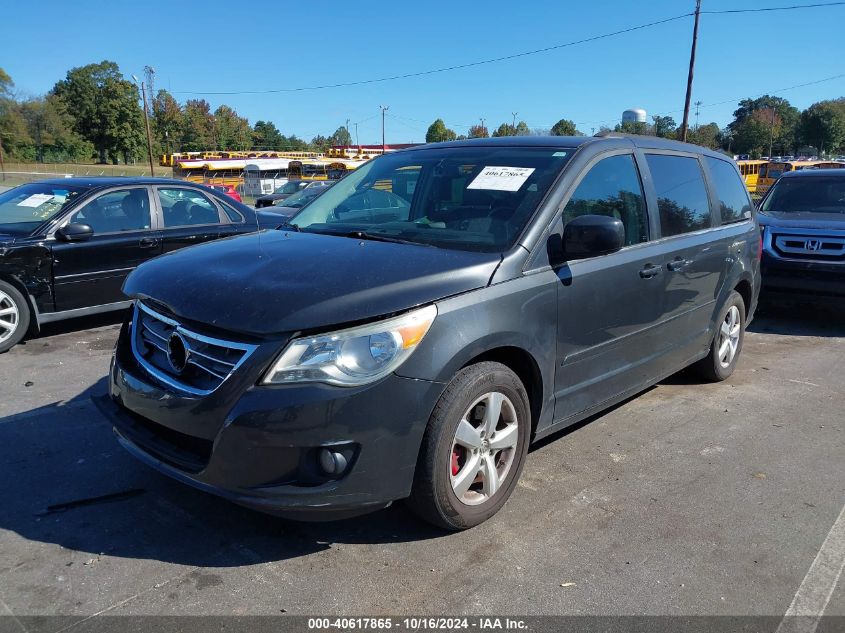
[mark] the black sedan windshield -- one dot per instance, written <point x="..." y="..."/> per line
<point x="25" y="208"/>
<point x="469" y="198"/>
<point x="817" y="194"/>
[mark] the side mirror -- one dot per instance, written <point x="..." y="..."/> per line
<point x="75" y="233"/>
<point x="592" y="235"/>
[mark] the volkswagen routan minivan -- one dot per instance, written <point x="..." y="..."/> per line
<point x="410" y="332"/>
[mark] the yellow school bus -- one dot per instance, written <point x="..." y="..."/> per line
<point x="770" y="172"/>
<point x="750" y="170"/>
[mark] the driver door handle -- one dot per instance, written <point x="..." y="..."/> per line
<point x="678" y="263"/>
<point x="148" y="242"/>
<point x="649" y="271"/>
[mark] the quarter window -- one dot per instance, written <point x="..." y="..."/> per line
<point x="681" y="195"/>
<point x="612" y="187"/>
<point x="186" y="207"/>
<point x="117" y="211"/>
<point x="730" y="191"/>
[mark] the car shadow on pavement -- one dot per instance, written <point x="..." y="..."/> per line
<point x="69" y="483"/>
<point x="808" y="317"/>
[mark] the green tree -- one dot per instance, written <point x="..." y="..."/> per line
<point x="293" y="143"/>
<point x="505" y="129"/>
<point x="522" y="129"/>
<point x="105" y="108"/>
<point x="320" y="143"/>
<point x="438" y="132"/>
<point x="6" y="85"/>
<point x="231" y="131"/>
<point x="197" y="126"/>
<point x="564" y="127"/>
<point x="664" y="126"/>
<point x="759" y="122"/>
<point x="265" y="135"/>
<point x="167" y="122"/>
<point x="822" y="125"/>
<point x="707" y="135"/>
<point x="341" y="136"/>
<point x="478" y="131"/>
<point x="51" y="129"/>
<point x="632" y="127"/>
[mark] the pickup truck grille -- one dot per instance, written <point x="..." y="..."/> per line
<point x="809" y="246"/>
<point x="180" y="358"/>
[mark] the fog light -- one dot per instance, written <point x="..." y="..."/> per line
<point x="332" y="463"/>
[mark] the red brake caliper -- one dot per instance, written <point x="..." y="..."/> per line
<point x="455" y="456"/>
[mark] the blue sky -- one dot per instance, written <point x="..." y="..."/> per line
<point x="227" y="46"/>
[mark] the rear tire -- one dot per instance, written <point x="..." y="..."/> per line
<point x="726" y="346"/>
<point x="14" y="316"/>
<point x="474" y="448"/>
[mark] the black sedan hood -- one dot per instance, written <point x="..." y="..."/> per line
<point x="803" y="220"/>
<point x="276" y="281"/>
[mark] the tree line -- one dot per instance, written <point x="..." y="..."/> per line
<point x="94" y="113"/>
<point x="760" y="126"/>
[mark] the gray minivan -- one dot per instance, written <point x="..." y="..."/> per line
<point x="411" y="331"/>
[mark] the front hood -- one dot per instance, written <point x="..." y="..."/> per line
<point x="803" y="220"/>
<point x="276" y="281"/>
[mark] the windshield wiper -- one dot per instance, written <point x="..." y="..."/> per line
<point x="381" y="237"/>
<point x="287" y="226"/>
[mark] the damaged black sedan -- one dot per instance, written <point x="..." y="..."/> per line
<point x="66" y="245"/>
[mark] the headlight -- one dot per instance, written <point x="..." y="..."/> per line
<point x="352" y="357"/>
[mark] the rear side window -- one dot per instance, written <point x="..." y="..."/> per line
<point x="612" y="187"/>
<point x="730" y="191"/>
<point x="186" y="207"/>
<point x="233" y="215"/>
<point x="681" y="195"/>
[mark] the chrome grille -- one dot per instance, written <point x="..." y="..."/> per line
<point x="806" y="245"/>
<point x="208" y="361"/>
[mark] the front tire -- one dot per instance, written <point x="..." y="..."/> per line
<point x="720" y="361"/>
<point x="14" y="316"/>
<point x="474" y="448"/>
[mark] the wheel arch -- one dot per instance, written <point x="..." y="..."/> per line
<point x="525" y="366"/>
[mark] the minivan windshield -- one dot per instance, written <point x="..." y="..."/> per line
<point x="23" y="209"/>
<point x="470" y="198"/>
<point x="817" y="194"/>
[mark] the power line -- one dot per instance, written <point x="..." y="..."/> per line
<point x="770" y="9"/>
<point x="444" y="69"/>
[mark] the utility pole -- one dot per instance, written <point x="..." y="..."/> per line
<point x="357" y="140"/>
<point x="697" y="106"/>
<point x="147" y="125"/>
<point x="514" y="120"/>
<point x="383" y="145"/>
<point x="347" y="132"/>
<point x="685" y="123"/>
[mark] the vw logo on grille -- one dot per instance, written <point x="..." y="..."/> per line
<point x="813" y="245"/>
<point x="178" y="352"/>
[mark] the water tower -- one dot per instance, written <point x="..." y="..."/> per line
<point x="634" y="115"/>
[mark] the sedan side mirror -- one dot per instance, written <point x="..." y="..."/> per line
<point x="592" y="235"/>
<point x="75" y="233"/>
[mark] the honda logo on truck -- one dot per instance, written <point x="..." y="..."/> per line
<point x="813" y="245"/>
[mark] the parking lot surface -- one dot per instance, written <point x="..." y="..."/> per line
<point x="690" y="499"/>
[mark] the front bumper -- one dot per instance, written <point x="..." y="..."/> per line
<point x="785" y="276"/>
<point x="259" y="446"/>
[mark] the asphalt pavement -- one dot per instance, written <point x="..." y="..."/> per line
<point x="690" y="499"/>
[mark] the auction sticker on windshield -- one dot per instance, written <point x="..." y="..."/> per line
<point x="36" y="200"/>
<point x="501" y="178"/>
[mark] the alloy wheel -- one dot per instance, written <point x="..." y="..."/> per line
<point x="9" y="317"/>
<point x="729" y="336"/>
<point x="483" y="448"/>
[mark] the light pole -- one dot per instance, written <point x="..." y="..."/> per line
<point x="147" y="125"/>
<point x="513" y="125"/>
<point x="383" y="144"/>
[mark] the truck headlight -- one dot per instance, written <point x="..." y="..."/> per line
<point x="353" y="357"/>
